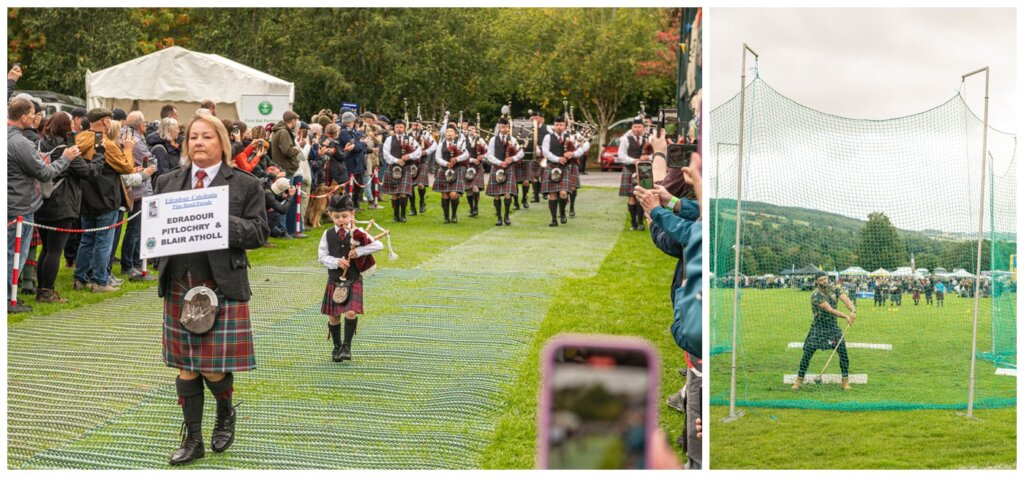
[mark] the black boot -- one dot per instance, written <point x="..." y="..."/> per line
<point x="526" y="191"/>
<point x="350" y="330"/>
<point x="190" y="398"/>
<point x="224" y="429"/>
<point x="632" y="217"/>
<point x="394" y="207"/>
<point x="536" y="191"/>
<point x="553" y="208"/>
<point x="336" y="337"/>
<point x="507" y="203"/>
<point x="412" y="203"/>
<point x="444" y="206"/>
<point x="403" y="202"/>
<point x="639" y="210"/>
<point x="561" y="209"/>
<point x="515" y="197"/>
<point x="497" y="209"/>
<point x="572" y="204"/>
<point x="423" y="203"/>
<point x="455" y="210"/>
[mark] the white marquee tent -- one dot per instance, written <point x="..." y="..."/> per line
<point x="183" y="78"/>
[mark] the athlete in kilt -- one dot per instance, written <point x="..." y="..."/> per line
<point x="346" y="252"/>
<point x="201" y="354"/>
<point x="631" y="151"/>
<point x="477" y="149"/>
<point x="503" y="156"/>
<point x="451" y="156"/>
<point x="536" y="154"/>
<point x="400" y="153"/>
<point x="422" y="179"/>
<point x="825" y="334"/>
<point x="555" y="180"/>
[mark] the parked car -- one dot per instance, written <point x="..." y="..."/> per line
<point x="53" y="102"/>
<point x="611" y="148"/>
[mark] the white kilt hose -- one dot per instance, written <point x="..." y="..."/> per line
<point x="494" y="189"/>
<point x="458" y="184"/>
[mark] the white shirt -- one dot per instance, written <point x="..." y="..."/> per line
<point x="494" y="144"/>
<point x="211" y="172"/>
<point x="439" y="154"/>
<point x="623" y="157"/>
<point x="546" y="148"/>
<point x="388" y="158"/>
<point x="325" y="258"/>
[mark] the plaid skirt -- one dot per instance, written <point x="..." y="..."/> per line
<point x="494" y="189"/>
<point x="354" y="303"/>
<point x="228" y="347"/>
<point x="392" y="186"/>
<point x="548" y="187"/>
<point x="823" y="336"/>
<point x="458" y="184"/>
<point x="477" y="181"/>
<point x="522" y="170"/>
<point x="433" y="166"/>
<point x="423" y="176"/>
<point x="574" y="176"/>
<point x="626" y="182"/>
<point x="535" y="171"/>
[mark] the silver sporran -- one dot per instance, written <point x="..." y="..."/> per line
<point x="556" y="174"/>
<point x="199" y="310"/>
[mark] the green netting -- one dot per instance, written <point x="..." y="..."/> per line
<point x="898" y="198"/>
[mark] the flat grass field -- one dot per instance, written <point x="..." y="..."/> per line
<point x="446" y="360"/>
<point x="908" y="406"/>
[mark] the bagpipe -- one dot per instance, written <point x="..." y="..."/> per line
<point x="454" y="151"/>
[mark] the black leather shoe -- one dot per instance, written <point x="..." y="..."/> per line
<point x="507" y="221"/>
<point x="423" y="209"/>
<point x="640" y="226"/>
<point x="554" y="223"/>
<point x="402" y="220"/>
<point x="455" y="219"/>
<point x="499" y="223"/>
<point x="526" y="204"/>
<point x="412" y="211"/>
<point x="563" y="219"/>
<point x="224" y="432"/>
<point x="190" y="450"/>
<point x="346" y="352"/>
<point x="632" y="227"/>
<point x="336" y="354"/>
<point x="572" y="213"/>
<point x="447" y="220"/>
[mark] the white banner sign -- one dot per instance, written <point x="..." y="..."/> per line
<point x="260" y="109"/>
<point x="182" y="222"/>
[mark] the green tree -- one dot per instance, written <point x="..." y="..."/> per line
<point x="880" y="244"/>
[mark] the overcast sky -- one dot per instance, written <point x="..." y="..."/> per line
<point x="870" y="63"/>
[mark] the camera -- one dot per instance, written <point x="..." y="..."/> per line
<point x="98" y="142"/>
<point x="678" y="155"/>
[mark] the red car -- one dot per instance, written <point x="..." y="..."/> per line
<point x="611" y="148"/>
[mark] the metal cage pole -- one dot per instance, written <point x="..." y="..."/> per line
<point x="981" y="238"/>
<point x="738" y="246"/>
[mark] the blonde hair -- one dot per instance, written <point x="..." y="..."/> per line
<point x="222" y="136"/>
<point x="164" y="129"/>
<point x="258" y="133"/>
<point x="332" y="130"/>
<point x="114" y="131"/>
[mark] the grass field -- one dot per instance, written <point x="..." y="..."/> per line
<point x="907" y="406"/>
<point x="445" y="374"/>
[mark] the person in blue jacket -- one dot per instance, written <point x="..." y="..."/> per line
<point x="354" y="150"/>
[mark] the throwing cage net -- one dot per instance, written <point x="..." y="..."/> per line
<point x="889" y="210"/>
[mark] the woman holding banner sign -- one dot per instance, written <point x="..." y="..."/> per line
<point x="207" y="334"/>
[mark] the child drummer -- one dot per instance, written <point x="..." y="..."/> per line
<point x="346" y="252"/>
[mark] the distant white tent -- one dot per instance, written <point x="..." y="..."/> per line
<point x="854" y="272"/>
<point x="940" y="272"/>
<point x="922" y="271"/>
<point x="903" y="272"/>
<point x="183" y="78"/>
<point x="961" y="273"/>
<point x="881" y="272"/>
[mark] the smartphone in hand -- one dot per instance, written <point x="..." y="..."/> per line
<point x="678" y="155"/>
<point x="645" y="175"/>
<point x="598" y="403"/>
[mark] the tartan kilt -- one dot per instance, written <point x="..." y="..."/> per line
<point x="574" y="176"/>
<point x="423" y="177"/>
<point x="456" y="185"/>
<point x="433" y="167"/>
<point x="548" y="187"/>
<point x="391" y="186"/>
<point x="823" y="336"/>
<point x="228" y="347"/>
<point x="626" y="182"/>
<point x="477" y="181"/>
<point x="510" y="186"/>
<point x="535" y="171"/>
<point x="521" y="169"/>
<point x="354" y="303"/>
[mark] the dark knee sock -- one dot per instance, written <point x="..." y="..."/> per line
<point x="632" y="214"/>
<point x="508" y="204"/>
<point x="350" y="329"/>
<point x="497" y="205"/>
<point x="526" y="191"/>
<point x="805" y="361"/>
<point x="412" y="200"/>
<point x="536" y="189"/>
<point x="222" y="391"/>
<point x="335" y="331"/>
<point x="844" y="360"/>
<point x="445" y="208"/>
<point x="190" y="398"/>
<point x="553" y="207"/>
<point x="572" y="200"/>
<point x="423" y="193"/>
<point x="515" y="198"/>
<point x="394" y="207"/>
<point x="561" y="205"/>
<point x="455" y="206"/>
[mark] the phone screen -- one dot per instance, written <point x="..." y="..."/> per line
<point x="598" y="417"/>
<point x="645" y="175"/>
<point x="671" y="124"/>
<point x="679" y="155"/>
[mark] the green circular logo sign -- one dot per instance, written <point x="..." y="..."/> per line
<point x="266" y="108"/>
